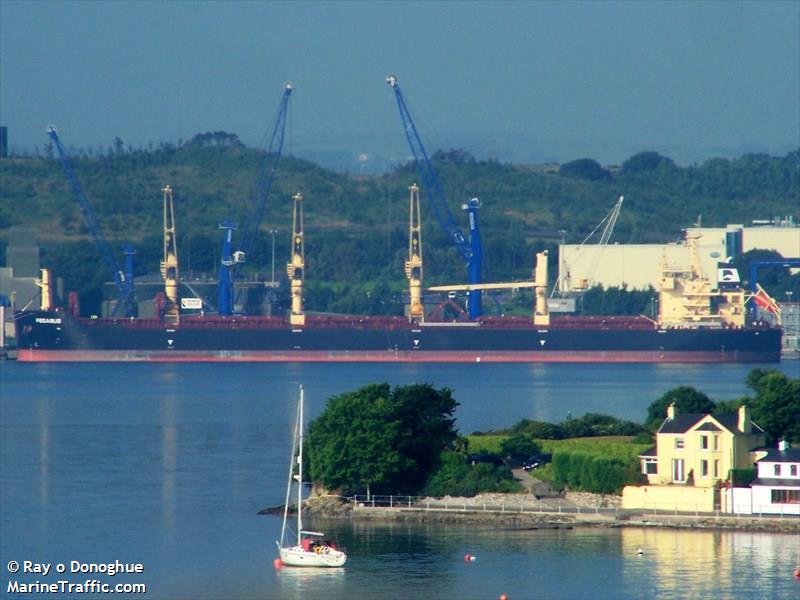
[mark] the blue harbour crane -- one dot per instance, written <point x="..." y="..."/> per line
<point x="757" y="265"/>
<point x="470" y="250"/>
<point x="231" y="260"/>
<point x="122" y="279"/>
<point x="225" y="305"/>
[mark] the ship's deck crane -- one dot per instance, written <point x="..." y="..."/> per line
<point x="471" y="251"/>
<point x="123" y="281"/>
<point x="413" y="266"/>
<point x="229" y="267"/>
<point x="169" y="266"/>
<point x="296" y="268"/>
<point x="541" y="314"/>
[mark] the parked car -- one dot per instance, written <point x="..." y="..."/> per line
<point x="536" y="461"/>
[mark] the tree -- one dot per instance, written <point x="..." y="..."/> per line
<point x="519" y="447"/>
<point x="686" y="400"/>
<point x="776" y="406"/>
<point x="455" y="477"/>
<point x="593" y="424"/>
<point x="538" y="429"/>
<point x="585" y="168"/>
<point x="646" y="161"/>
<point x="387" y="439"/>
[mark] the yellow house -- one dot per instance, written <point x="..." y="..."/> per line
<point x="693" y="454"/>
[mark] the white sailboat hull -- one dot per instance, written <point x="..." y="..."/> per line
<point x="296" y="556"/>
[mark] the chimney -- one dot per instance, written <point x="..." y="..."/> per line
<point x="783" y="446"/>
<point x="745" y="424"/>
<point x="671" y="411"/>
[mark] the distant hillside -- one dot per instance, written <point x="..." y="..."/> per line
<point x="356" y="225"/>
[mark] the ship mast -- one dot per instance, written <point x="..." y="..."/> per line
<point x="413" y="266"/>
<point x="295" y="269"/>
<point x="169" y="266"/>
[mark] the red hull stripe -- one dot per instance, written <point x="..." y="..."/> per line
<point x="28" y="355"/>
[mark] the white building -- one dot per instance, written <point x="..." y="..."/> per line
<point x="776" y="489"/>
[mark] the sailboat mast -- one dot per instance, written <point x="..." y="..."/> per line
<point x="291" y="473"/>
<point x="300" y="473"/>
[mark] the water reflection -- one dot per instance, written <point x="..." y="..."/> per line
<point x="709" y="563"/>
<point x="299" y="582"/>
<point x="169" y="461"/>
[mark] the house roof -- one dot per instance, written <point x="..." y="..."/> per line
<point x="683" y="422"/>
<point x="649" y="453"/>
<point x="708" y="426"/>
<point x="774" y="482"/>
<point x="730" y="421"/>
<point x="791" y="455"/>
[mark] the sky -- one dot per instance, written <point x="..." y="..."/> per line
<point x="515" y="81"/>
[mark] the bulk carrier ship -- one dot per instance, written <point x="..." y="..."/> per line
<point x="697" y="322"/>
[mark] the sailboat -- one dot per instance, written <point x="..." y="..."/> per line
<point x="311" y="549"/>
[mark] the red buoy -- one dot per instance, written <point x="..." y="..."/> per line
<point x="277" y="563"/>
<point x="797" y="572"/>
<point x="503" y="597"/>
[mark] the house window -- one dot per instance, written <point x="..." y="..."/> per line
<point x="677" y="470"/>
<point x="704" y="442"/>
<point x="704" y="468"/>
<point x="716" y="442"/>
<point x="650" y="466"/>
<point x="716" y="469"/>
<point x="793" y="470"/>
<point x="679" y="443"/>
<point x="777" y="470"/>
<point x="786" y="496"/>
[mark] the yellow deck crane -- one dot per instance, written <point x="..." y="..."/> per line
<point x="295" y="269"/>
<point x="541" y="315"/>
<point x="169" y="266"/>
<point x="416" y="309"/>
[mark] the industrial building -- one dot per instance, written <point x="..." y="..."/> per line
<point x="638" y="266"/>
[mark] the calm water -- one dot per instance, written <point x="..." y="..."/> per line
<point x="167" y="465"/>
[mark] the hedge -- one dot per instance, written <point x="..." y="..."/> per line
<point x="593" y="472"/>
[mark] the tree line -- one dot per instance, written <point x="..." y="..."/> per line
<point x="356" y="225"/>
<point x="403" y="440"/>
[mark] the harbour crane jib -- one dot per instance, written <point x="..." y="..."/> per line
<point x="470" y="250"/>
<point x="123" y="279"/>
<point x="232" y="260"/>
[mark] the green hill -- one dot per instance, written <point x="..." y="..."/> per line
<point x="356" y="226"/>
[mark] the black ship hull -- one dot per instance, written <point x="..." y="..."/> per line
<point x="59" y="337"/>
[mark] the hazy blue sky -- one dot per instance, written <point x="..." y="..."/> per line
<point x="520" y="81"/>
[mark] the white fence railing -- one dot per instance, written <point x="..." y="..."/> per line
<point x="521" y="506"/>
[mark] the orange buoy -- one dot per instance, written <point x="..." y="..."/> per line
<point x="503" y="597"/>
<point x="467" y="557"/>
<point x="797" y="572"/>
<point x="277" y="563"/>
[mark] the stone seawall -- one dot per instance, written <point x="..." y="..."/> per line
<point x="516" y="510"/>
